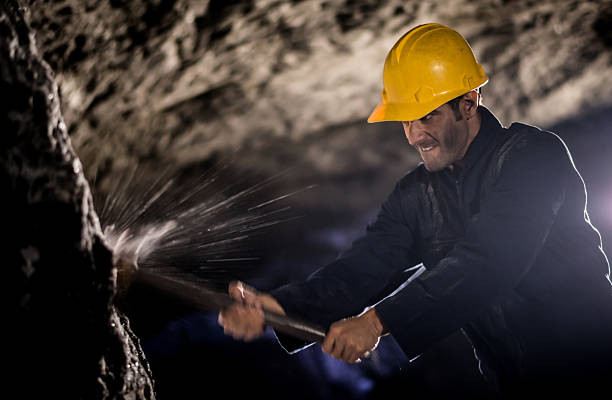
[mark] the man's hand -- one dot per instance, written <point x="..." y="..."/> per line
<point x="354" y="338"/>
<point x="244" y="320"/>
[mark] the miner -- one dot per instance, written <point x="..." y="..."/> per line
<point x="498" y="218"/>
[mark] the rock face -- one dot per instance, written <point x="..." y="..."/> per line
<point x="66" y="338"/>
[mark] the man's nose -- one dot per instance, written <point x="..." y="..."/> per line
<point x="414" y="131"/>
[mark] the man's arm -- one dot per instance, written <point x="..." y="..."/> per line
<point x="346" y="286"/>
<point x="354" y="281"/>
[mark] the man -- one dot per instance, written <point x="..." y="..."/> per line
<point x="498" y="218"/>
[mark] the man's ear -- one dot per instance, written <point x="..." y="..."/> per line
<point x="469" y="107"/>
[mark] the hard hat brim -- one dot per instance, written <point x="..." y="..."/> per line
<point x="378" y="115"/>
<point x="413" y="111"/>
<point x="403" y="111"/>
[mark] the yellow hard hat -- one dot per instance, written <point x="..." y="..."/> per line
<point x="428" y="66"/>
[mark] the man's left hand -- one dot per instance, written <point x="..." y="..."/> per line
<point x="354" y="338"/>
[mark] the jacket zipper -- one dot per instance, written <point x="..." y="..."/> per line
<point x="458" y="187"/>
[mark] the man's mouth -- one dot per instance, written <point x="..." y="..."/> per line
<point x="427" y="148"/>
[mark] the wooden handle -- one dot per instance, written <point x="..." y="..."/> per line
<point x="206" y="299"/>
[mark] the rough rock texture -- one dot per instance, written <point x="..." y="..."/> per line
<point x="194" y="78"/>
<point x="66" y="339"/>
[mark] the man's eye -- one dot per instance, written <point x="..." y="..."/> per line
<point x="426" y="118"/>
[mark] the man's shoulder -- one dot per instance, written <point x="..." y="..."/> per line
<point x="531" y="138"/>
<point x="523" y="142"/>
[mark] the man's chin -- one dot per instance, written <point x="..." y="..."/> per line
<point x="433" y="166"/>
<point x="435" y="160"/>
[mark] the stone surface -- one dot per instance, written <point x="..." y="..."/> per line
<point x="195" y="78"/>
<point x="65" y="337"/>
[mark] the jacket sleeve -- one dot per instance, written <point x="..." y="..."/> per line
<point x="350" y="283"/>
<point x="500" y="245"/>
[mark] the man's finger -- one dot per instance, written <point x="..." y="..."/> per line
<point x="236" y="289"/>
<point x="329" y="344"/>
<point x="349" y="353"/>
<point x="244" y="293"/>
<point x="338" y="349"/>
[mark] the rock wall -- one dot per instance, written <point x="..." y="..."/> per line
<point x="66" y="339"/>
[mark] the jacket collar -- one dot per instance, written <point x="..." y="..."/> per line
<point x="489" y="127"/>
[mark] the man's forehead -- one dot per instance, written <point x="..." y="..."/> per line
<point x="439" y="109"/>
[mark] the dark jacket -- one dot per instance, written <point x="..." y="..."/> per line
<point x="511" y="256"/>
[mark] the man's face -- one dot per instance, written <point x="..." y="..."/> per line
<point x="439" y="137"/>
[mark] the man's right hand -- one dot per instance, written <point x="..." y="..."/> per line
<point x="244" y="320"/>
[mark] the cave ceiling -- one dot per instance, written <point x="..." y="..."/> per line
<point x="275" y="84"/>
